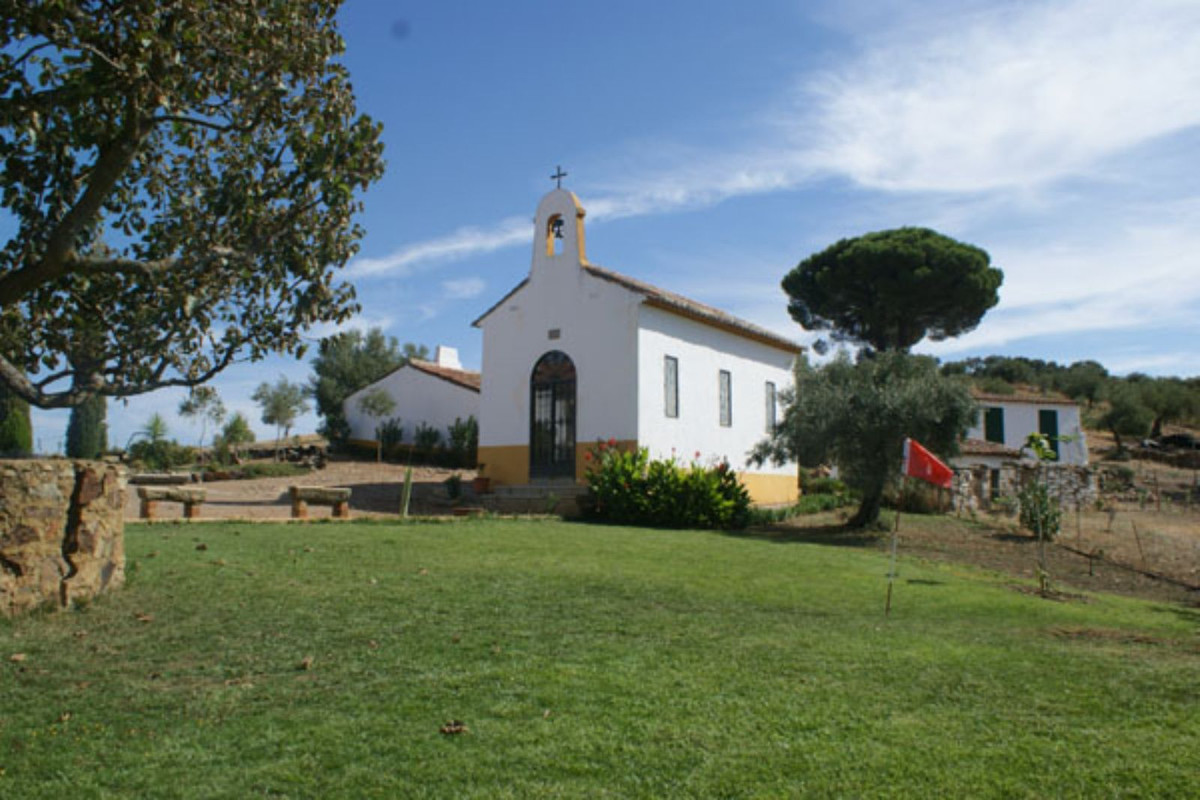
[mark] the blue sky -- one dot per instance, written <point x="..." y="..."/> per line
<point x="715" y="145"/>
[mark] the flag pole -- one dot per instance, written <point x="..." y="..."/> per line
<point x="887" y="609"/>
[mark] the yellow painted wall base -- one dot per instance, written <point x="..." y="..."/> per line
<point x="506" y="465"/>
<point x="770" y="490"/>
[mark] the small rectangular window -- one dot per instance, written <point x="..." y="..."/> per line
<point x="993" y="425"/>
<point x="770" y="407"/>
<point x="671" y="385"/>
<point x="725" y="389"/>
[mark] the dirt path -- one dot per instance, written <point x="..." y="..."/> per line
<point x="376" y="491"/>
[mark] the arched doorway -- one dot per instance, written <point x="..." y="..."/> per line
<point x="552" y="417"/>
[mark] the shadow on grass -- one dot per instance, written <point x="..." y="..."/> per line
<point x="1014" y="538"/>
<point x="837" y="535"/>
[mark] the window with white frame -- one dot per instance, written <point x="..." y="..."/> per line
<point x="671" y="386"/>
<point x="770" y="410"/>
<point x="725" y="391"/>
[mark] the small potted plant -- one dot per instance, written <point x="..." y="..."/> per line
<point x="481" y="484"/>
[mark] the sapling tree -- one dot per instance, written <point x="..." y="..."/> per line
<point x="1040" y="513"/>
<point x="203" y="402"/>
<point x="281" y="403"/>
<point x="377" y="404"/>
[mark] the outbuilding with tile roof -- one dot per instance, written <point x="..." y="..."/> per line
<point x="432" y="393"/>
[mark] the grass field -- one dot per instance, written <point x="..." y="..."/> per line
<point x="254" y="660"/>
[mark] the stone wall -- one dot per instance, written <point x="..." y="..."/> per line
<point x="974" y="487"/>
<point x="62" y="531"/>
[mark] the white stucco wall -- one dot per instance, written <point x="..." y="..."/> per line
<point x="1021" y="419"/>
<point x="420" y="398"/>
<point x="702" y="351"/>
<point x="596" y="324"/>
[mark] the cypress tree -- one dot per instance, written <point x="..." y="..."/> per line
<point x="16" y="428"/>
<point x="87" y="431"/>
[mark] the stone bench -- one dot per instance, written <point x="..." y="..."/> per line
<point x="161" y="479"/>
<point x="337" y="498"/>
<point x="192" y="499"/>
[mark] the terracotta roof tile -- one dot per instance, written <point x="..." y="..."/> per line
<point x="979" y="447"/>
<point x="1025" y="396"/>
<point x="463" y="377"/>
<point x="690" y="308"/>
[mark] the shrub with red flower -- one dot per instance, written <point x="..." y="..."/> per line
<point x="628" y="488"/>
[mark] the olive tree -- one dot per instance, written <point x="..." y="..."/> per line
<point x="857" y="414"/>
<point x="183" y="179"/>
<point x="890" y="289"/>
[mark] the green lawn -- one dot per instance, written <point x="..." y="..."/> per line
<point x="585" y="661"/>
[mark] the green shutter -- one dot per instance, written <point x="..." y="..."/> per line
<point x="1048" y="426"/>
<point x="993" y="425"/>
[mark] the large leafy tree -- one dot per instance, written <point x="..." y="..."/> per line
<point x="348" y="361"/>
<point x="890" y="289"/>
<point x="857" y="414"/>
<point x="182" y="176"/>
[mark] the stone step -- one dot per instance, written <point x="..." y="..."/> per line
<point x="563" y="489"/>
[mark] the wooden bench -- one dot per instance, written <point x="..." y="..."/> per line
<point x="337" y="498"/>
<point x="151" y="496"/>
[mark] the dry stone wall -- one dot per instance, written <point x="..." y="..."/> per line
<point x="1071" y="485"/>
<point x="62" y="531"/>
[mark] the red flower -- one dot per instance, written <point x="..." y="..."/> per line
<point x="697" y="456"/>
<point x="612" y="442"/>
<point x="587" y="455"/>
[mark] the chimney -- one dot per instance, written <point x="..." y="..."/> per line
<point x="447" y="357"/>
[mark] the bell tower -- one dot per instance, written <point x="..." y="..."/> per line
<point x="558" y="231"/>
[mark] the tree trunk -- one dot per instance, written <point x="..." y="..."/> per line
<point x="868" y="510"/>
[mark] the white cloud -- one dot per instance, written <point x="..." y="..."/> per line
<point x="1020" y="122"/>
<point x="463" y="288"/>
<point x="460" y="244"/>
<point x="361" y="323"/>
<point x="1018" y="95"/>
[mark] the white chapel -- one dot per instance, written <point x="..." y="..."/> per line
<point x="576" y="354"/>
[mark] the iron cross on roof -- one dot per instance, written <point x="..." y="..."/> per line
<point x="558" y="175"/>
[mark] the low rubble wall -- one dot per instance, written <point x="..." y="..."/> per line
<point x="62" y="532"/>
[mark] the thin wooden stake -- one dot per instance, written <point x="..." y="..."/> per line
<point x="887" y="609"/>
<point x="407" y="495"/>
<point x="1137" y="538"/>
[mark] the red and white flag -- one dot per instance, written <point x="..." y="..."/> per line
<point x="921" y="464"/>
